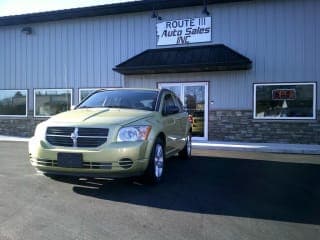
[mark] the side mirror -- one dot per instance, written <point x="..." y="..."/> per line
<point x="72" y="107"/>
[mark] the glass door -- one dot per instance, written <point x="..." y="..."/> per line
<point x="194" y="97"/>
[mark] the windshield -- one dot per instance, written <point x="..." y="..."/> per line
<point x="133" y="99"/>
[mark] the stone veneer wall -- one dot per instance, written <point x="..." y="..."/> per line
<point x="229" y="125"/>
<point x="224" y="125"/>
<point x="19" y="126"/>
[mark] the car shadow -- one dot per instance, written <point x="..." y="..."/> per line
<point x="235" y="187"/>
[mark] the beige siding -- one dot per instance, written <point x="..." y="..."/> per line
<point x="281" y="37"/>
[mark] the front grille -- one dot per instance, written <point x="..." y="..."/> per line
<point x="44" y="162"/>
<point x="85" y="165"/>
<point x="76" y="137"/>
<point x="97" y="165"/>
<point x="60" y="140"/>
<point x="92" y="132"/>
<point x="90" y="142"/>
<point x="60" y="130"/>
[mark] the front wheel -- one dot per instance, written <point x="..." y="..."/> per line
<point x="155" y="169"/>
<point x="185" y="153"/>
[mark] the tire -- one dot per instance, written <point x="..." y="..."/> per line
<point x="156" y="165"/>
<point x="185" y="153"/>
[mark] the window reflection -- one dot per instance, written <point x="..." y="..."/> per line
<point x="13" y="102"/>
<point x="195" y="102"/>
<point x="49" y="102"/>
<point x="175" y="89"/>
<point x="83" y="93"/>
<point x="285" y="101"/>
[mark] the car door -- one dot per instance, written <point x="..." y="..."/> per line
<point x="169" y="121"/>
<point x="181" y="119"/>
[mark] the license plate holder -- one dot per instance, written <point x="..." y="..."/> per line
<point x="69" y="160"/>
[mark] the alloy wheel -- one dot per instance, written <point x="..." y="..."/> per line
<point x="158" y="161"/>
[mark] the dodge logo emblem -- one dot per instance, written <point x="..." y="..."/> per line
<point x="74" y="136"/>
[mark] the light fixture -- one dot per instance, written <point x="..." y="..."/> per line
<point x="205" y="8"/>
<point x="155" y="15"/>
<point x="26" y="30"/>
<point x="154" y="12"/>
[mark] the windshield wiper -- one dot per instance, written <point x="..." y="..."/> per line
<point x="114" y="106"/>
<point x="86" y="107"/>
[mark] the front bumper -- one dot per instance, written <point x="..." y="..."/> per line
<point x="115" y="160"/>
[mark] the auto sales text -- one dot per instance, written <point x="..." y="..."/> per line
<point x="184" y="31"/>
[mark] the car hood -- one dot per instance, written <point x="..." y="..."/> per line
<point x="105" y="116"/>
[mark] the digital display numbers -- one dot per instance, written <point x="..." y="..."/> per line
<point x="284" y="94"/>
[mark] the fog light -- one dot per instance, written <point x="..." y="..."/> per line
<point x="125" y="163"/>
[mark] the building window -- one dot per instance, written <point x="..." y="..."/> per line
<point x="85" y="92"/>
<point x="48" y="102"/>
<point x="13" y="103"/>
<point x="285" y="101"/>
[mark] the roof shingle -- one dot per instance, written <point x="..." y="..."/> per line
<point x="217" y="57"/>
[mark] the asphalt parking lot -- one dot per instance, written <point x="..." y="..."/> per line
<point x="205" y="198"/>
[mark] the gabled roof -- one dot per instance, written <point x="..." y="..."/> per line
<point x="217" y="57"/>
<point x="109" y="9"/>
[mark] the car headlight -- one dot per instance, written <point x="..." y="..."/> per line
<point x="133" y="133"/>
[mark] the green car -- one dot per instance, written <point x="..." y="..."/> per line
<point x="114" y="133"/>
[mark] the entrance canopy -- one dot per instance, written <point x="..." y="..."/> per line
<point x="217" y="57"/>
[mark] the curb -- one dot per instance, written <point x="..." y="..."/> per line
<point x="260" y="147"/>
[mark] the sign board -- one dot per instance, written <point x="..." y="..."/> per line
<point x="284" y="94"/>
<point x="185" y="31"/>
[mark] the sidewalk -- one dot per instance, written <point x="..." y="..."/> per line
<point x="311" y="149"/>
<point x="13" y="139"/>
<point x="259" y="147"/>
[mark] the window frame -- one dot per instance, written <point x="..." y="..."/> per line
<point x="27" y="103"/>
<point x="48" y="89"/>
<point x="314" y="104"/>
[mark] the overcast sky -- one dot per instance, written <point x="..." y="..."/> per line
<point x="14" y="7"/>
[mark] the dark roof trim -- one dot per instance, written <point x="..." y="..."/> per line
<point x="109" y="9"/>
<point x="217" y="57"/>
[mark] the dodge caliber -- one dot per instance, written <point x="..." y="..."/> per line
<point x="114" y="133"/>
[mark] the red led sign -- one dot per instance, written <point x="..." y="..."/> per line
<point x="284" y="94"/>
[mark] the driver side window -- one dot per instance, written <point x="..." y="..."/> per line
<point x="168" y="102"/>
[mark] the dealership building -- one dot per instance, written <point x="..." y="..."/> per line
<point x="245" y="70"/>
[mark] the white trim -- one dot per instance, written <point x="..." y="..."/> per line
<point x="26" y="95"/>
<point x="49" y="89"/>
<point x="206" y="98"/>
<point x="80" y="89"/>
<point x="285" y="84"/>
